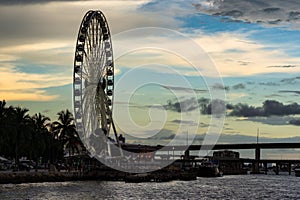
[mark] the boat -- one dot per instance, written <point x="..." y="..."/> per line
<point x="208" y="169"/>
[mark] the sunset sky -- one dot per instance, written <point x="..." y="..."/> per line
<point x="252" y="46"/>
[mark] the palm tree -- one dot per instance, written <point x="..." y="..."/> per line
<point x="20" y="124"/>
<point x="40" y="136"/>
<point x="65" y="130"/>
<point x="4" y="136"/>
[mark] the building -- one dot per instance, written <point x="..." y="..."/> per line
<point x="229" y="162"/>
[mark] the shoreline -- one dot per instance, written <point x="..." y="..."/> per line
<point x="38" y="177"/>
<point x="9" y="177"/>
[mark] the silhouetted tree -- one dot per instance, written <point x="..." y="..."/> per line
<point x="40" y="137"/>
<point x="20" y="126"/>
<point x="65" y="130"/>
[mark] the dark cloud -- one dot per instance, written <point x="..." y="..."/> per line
<point x="282" y="66"/>
<point x="215" y="106"/>
<point x="268" y="83"/>
<point x="294" y="16"/>
<point x="269" y="108"/>
<point x="190" y="90"/>
<point x="177" y="121"/>
<point x="271" y="10"/>
<point x="275" y="12"/>
<point x="22" y="2"/>
<point x="245" y="110"/>
<point x="185" y="105"/>
<point x="295" y="122"/>
<point x="290" y="80"/>
<point x="272" y="120"/>
<point x="239" y="86"/>
<point x="164" y="134"/>
<point x="250" y="83"/>
<point x="273" y="96"/>
<point x="239" y="138"/>
<point x="275" y="22"/>
<point x="231" y="13"/>
<point x="219" y="86"/>
<point x="243" y="63"/>
<point x="34" y="25"/>
<point x="290" y="91"/>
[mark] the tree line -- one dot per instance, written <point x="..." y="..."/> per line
<point x="36" y="137"/>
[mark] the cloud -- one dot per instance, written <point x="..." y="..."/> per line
<point x="275" y="12"/>
<point x="273" y="96"/>
<point x="239" y="86"/>
<point x="164" y="134"/>
<point x="216" y="106"/>
<point x="238" y="138"/>
<point x="269" y="108"/>
<point x="295" y="122"/>
<point x="219" y="86"/>
<point x="25" y="95"/>
<point x="177" y="121"/>
<point x="290" y="80"/>
<point x="290" y="91"/>
<point x="272" y="120"/>
<point x="268" y="83"/>
<point x="253" y="57"/>
<point x="190" y="90"/>
<point x="17" y="85"/>
<point x="60" y="20"/>
<point x="24" y="2"/>
<point x="174" y="8"/>
<point x="282" y="66"/>
<point x="184" y="105"/>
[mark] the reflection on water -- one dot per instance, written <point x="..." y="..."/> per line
<point x="227" y="187"/>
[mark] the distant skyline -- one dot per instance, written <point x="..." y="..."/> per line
<point x="254" y="45"/>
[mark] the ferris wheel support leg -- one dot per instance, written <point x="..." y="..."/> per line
<point x="117" y="138"/>
<point x="108" y="148"/>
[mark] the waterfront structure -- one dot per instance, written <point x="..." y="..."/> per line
<point x="229" y="162"/>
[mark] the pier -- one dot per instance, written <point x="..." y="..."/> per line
<point x="256" y="162"/>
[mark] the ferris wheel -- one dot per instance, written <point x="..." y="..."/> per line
<point x="93" y="83"/>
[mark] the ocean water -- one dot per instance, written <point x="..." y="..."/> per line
<point x="227" y="187"/>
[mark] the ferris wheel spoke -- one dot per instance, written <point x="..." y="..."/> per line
<point x="97" y="33"/>
<point x="99" y="43"/>
<point x="86" y="63"/>
<point x="87" y="112"/>
<point x="89" y="46"/>
<point x="102" y="62"/>
<point x="88" y="91"/>
<point x="89" y="66"/>
<point x="101" y="49"/>
<point x="89" y="41"/>
<point x="94" y="43"/>
<point x="84" y="72"/>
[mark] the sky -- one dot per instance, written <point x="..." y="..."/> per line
<point x="166" y="52"/>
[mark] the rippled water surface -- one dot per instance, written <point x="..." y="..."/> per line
<point x="227" y="187"/>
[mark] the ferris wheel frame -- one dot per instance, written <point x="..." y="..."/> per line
<point x="93" y="80"/>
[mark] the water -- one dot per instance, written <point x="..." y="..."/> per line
<point x="227" y="187"/>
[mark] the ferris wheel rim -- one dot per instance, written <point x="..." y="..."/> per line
<point x="85" y="115"/>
